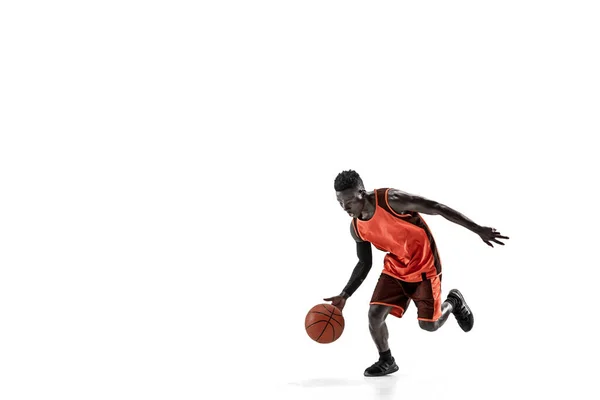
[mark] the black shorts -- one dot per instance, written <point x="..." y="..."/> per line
<point x="397" y="294"/>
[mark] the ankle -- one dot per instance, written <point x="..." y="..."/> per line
<point x="385" y="355"/>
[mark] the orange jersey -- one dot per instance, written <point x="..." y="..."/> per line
<point x="412" y="255"/>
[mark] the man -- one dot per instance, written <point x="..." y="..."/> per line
<point x="389" y="219"/>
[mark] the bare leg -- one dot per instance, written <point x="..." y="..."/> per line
<point x="377" y="326"/>
<point x="432" y="326"/>
<point x="379" y="332"/>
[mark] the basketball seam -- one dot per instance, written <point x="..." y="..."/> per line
<point x="332" y="311"/>
<point x="324" y="329"/>
<point x="334" y="338"/>
<point x="314" y="323"/>
<point x="338" y="322"/>
<point x="329" y="323"/>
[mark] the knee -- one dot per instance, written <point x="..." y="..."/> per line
<point x="376" y="316"/>
<point x="429" y="326"/>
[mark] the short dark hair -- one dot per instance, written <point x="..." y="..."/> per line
<point x="347" y="180"/>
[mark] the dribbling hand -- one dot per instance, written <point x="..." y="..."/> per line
<point x="338" y="301"/>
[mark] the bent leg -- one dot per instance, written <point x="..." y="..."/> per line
<point x="388" y="298"/>
<point x="432" y="313"/>
<point x="379" y="332"/>
<point x="378" y="327"/>
<point x="433" y="326"/>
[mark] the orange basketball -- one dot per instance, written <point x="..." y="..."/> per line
<point x="324" y="323"/>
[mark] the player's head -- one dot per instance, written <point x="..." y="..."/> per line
<point x="350" y="192"/>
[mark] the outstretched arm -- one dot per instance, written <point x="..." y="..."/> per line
<point x="401" y="202"/>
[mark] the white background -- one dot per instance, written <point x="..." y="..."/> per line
<point x="167" y="212"/>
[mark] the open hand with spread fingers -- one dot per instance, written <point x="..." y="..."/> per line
<point x="489" y="235"/>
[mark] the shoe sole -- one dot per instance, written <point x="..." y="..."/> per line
<point x="391" y="371"/>
<point x="462" y="299"/>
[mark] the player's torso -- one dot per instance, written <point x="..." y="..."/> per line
<point x="392" y="234"/>
<point x="405" y="236"/>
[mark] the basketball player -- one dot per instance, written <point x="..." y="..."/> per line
<point x="389" y="219"/>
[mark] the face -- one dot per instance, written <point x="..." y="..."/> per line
<point x="352" y="201"/>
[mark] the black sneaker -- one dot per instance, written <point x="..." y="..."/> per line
<point x="382" y="367"/>
<point x="460" y="309"/>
